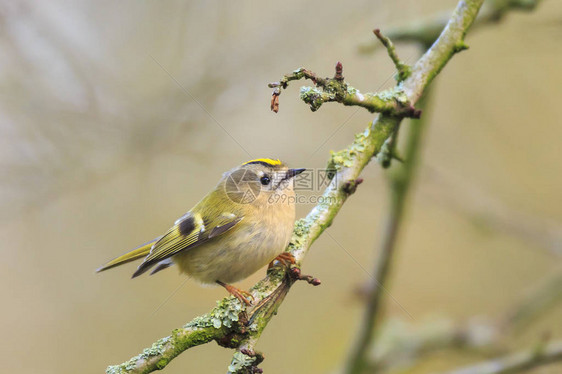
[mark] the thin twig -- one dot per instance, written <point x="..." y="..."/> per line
<point x="403" y="69"/>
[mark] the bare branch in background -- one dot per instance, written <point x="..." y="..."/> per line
<point x="540" y="355"/>
<point x="540" y="298"/>
<point x="488" y="212"/>
<point x="400" y="344"/>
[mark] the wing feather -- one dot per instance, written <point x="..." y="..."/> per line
<point x="219" y="230"/>
<point x="188" y="232"/>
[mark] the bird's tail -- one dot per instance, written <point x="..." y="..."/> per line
<point x="139" y="252"/>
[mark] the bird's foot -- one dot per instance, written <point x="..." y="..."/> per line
<point x="285" y="259"/>
<point x="288" y="260"/>
<point x="243" y="296"/>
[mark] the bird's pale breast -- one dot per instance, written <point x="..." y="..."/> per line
<point x="252" y="244"/>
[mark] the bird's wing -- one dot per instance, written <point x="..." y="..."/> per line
<point x="189" y="231"/>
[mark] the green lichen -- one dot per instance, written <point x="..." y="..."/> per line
<point x="253" y="327"/>
<point x="300" y="231"/>
<point x="358" y="145"/>
<point x="386" y="94"/>
<point x="241" y="363"/>
<point x="389" y="101"/>
<point x="157" y="349"/>
<point x="401" y="97"/>
<point x="124" y="367"/>
<point x="394" y="93"/>
<point x="116" y="369"/>
<point x="385" y="154"/>
<point x="404" y="71"/>
<point x="184" y="339"/>
<point x="346" y="157"/>
<point x="341" y="159"/>
<point x="352" y="91"/>
<point x="314" y="97"/>
<point x="226" y="313"/>
<point x="301" y="227"/>
<point x="336" y="89"/>
<point x="200" y="322"/>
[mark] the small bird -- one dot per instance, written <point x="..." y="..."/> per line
<point x="243" y="224"/>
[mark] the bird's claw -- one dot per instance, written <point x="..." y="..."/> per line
<point x="285" y="259"/>
<point x="241" y="295"/>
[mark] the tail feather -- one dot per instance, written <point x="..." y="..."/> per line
<point x="139" y="252"/>
<point x="162" y="265"/>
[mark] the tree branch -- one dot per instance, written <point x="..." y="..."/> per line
<point x="425" y="32"/>
<point x="486" y="211"/>
<point x="523" y="361"/>
<point x="535" y="302"/>
<point x="403" y="69"/>
<point x="231" y="326"/>
<point x="337" y="90"/>
<point x="399" y="344"/>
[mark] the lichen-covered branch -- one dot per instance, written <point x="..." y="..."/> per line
<point x="231" y="326"/>
<point x="540" y="355"/>
<point x="335" y="89"/>
<point x="403" y="69"/>
<point x="425" y="32"/>
<point x="485" y="210"/>
<point x="450" y="41"/>
<point x="223" y="324"/>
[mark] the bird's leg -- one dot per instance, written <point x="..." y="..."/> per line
<point x="241" y="295"/>
<point x="285" y="258"/>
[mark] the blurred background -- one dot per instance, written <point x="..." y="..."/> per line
<point x="117" y="117"/>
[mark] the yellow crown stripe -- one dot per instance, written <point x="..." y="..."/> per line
<point x="268" y="161"/>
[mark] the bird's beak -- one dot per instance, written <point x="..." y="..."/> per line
<point x="292" y="172"/>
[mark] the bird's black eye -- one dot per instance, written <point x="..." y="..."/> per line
<point x="265" y="180"/>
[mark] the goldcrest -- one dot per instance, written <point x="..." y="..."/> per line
<point x="244" y="223"/>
